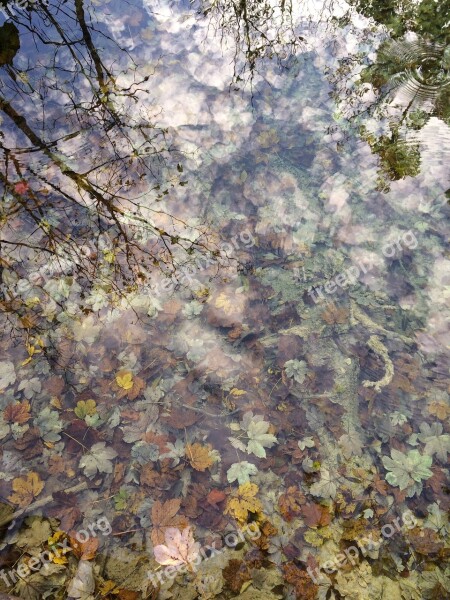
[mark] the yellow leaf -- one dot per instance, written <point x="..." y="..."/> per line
<point x="222" y="301"/>
<point x="85" y="408"/>
<point x="25" y="489"/>
<point x="243" y="501"/>
<point x="109" y="587"/>
<point x="56" y="402"/>
<point x="236" y="392"/>
<point x="56" y="537"/>
<point x="124" y="379"/>
<point x="199" y="456"/>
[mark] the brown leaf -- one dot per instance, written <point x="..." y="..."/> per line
<point x="83" y="550"/>
<point x="305" y="589"/>
<point x="425" y="541"/>
<point x="236" y="573"/>
<point x="30" y="444"/>
<point x="17" y="413"/>
<point x="180" y="418"/>
<point x="215" y="496"/>
<point x="199" y="456"/>
<point x="380" y="485"/>
<point x="335" y="315"/>
<point x="315" y="515"/>
<point x="290" y="503"/>
<point x="165" y="515"/>
<point x="26" y="489"/>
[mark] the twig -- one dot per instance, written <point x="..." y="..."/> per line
<point x="42" y="502"/>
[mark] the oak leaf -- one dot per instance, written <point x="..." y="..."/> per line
<point x="25" y="489"/>
<point x="243" y="501"/>
<point x="164" y="515"/>
<point x="199" y="456"/>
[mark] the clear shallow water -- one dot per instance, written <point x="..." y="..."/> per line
<point x="225" y="302"/>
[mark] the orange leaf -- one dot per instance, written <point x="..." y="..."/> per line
<point x="83" y="550"/>
<point x="164" y="515"/>
<point x="290" y="503"/>
<point x="25" y="489"/>
<point x="215" y="496"/>
<point x="199" y="456"/>
<point x="17" y="413"/>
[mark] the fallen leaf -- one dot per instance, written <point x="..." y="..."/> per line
<point x="17" y="413"/>
<point x="215" y="496"/>
<point x="179" y="548"/>
<point x="26" y="489"/>
<point x="242" y="501"/>
<point x="315" y="515"/>
<point x="83" y="584"/>
<point x="290" y="503"/>
<point x="199" y="456"/>
<point x="124" y="379"/>
<point x="164" y="515"/>
<point x="83" y="550"/>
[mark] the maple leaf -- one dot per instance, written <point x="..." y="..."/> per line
<point x="290" y="503"/>
<point x="436" y="442"/>
<point x="164" y="515"/>
<point x="98" y="459"/>
<point x="351" y="444"/>
<point x="325" y="488"/>
<point x="305" y="588"/>
<point x="441" y="410"/>
<point x="406" y="470"/>
<point x="25" y="489"/>
<point x="179" y="548"/>
<point x="242" y="501"/>
<point x="315" y="515"/>
<point x="199" y="456"/>
<point x="241" y="472"/>
<point x="17" y="413"/>
<point x="83" y="550"/>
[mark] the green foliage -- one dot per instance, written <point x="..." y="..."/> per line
<point x="406" y="471"/>
<point x="296" y="369"/>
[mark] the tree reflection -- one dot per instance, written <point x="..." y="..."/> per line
<point x="85" y="169"/>
<point x="261" y="29"/>
<point x="393" y="97"/>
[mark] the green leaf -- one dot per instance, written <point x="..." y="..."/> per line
<point x="435" y="442"/>
<point x="296" y="369"/>
<point x="98" y="459"/>
<point x="241" y="472"/>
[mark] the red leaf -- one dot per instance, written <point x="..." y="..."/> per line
<point x="21" y="187"/>
<point x="215" y="496"/>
